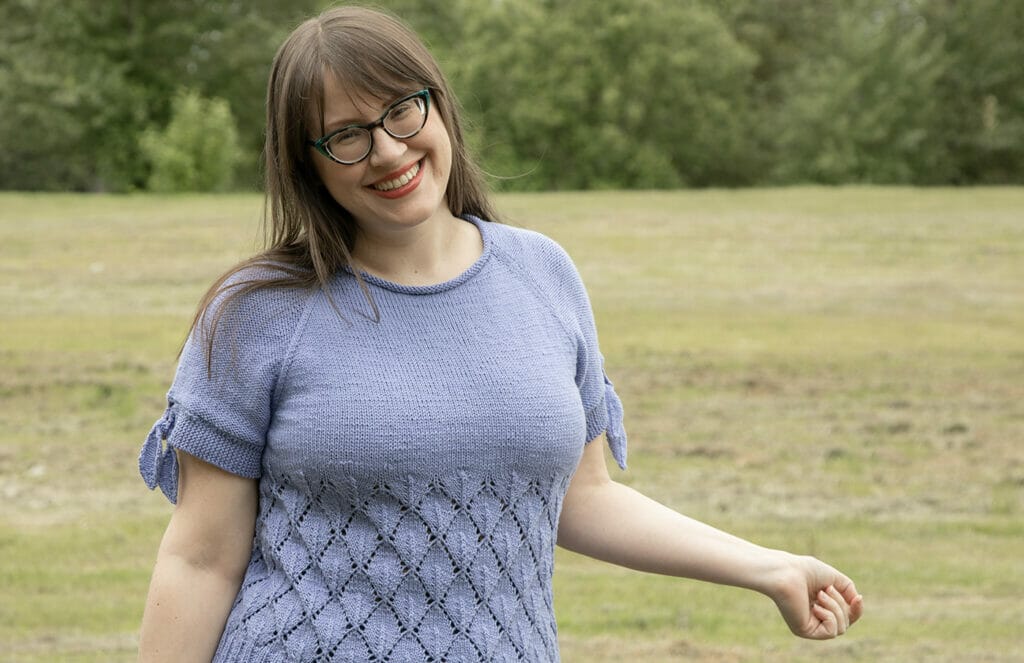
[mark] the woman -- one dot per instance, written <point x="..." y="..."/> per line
<point x="379" y="425"/>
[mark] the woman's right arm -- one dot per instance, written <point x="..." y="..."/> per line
<point x="200" y="565"/>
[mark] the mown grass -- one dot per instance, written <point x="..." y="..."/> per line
<point x="833" y="371"/>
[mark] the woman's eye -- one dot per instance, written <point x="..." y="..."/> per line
<point x="347" y="136"/>
<point x="398" y="111"/>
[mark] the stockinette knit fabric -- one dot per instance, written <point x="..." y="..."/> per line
<point x="412" y="468"/>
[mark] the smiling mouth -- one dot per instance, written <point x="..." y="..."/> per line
<point x="398" y="182"/>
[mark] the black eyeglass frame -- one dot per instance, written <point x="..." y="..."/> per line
<point x="321" y="144"/>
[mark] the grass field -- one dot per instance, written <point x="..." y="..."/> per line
<point x="833" y="371"/>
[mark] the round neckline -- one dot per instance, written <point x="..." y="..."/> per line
<point x="435" y="288"/>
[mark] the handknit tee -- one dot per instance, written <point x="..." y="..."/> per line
<point x="411" y="468"/>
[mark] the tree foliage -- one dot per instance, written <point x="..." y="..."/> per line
<point x="860" y="111"/>
<point x="981" y="88"/>
<point x="81" y="80"/>
<point x="198" y="150"/>
<point x="610" y="94"/>
<point x="561" y="94"/>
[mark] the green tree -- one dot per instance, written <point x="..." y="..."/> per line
<point x="922" y="91"/>
<point x="598" y="94"/>
<point x="68" y="113"/>
<point x="80" y="80"/>
<point x="198" y="150"/>
<point x="981" y="91"/>
<point x="862" y="110"/>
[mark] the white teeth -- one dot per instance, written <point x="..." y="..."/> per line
<point x="402" y="180"/>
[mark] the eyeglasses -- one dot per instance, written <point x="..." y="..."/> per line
<point x="353" y="143"/>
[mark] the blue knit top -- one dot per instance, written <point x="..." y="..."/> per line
<point x="412" y="469"/>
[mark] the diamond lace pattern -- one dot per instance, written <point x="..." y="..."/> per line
<point x="454" y="568"/>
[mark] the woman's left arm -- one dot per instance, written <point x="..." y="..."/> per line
<point x="614" y="523"/>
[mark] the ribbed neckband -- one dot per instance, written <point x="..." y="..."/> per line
<point x="435" y="288"/>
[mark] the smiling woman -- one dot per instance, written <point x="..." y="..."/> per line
<point x="397" y="183"/>
<point x="388" y="484"/>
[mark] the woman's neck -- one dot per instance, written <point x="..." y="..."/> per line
<point x="432" y="252"/>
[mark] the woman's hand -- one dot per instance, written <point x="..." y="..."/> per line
<point x="817" y="601"/>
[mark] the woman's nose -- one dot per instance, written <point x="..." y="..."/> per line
<point x="386" y="148"/>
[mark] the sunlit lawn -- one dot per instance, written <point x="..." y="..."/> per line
<point x="833" y="371"/>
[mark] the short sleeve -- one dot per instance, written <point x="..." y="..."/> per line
<point x="220" y="411"/>
<point x="601" y="403"/>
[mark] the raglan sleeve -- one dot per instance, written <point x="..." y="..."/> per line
<point x="601" y="404"/>
<point x="220" y="404"/>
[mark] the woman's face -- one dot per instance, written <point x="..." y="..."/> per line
<point x="371" y="190"/>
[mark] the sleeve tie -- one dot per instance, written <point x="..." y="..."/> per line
<point x="158" y="463"/>
<point x="616" y="430"/>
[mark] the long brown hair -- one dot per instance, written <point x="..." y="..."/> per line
<point x="307" y="234"/>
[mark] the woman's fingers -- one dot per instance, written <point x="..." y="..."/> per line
<point x="856" y="608"/>
<point x="831" y="601"/>
<point x="827" y="625"/>
<point x="843" y="604"/>
<point x="854" y="601"/>
<point x="849" y="592"/>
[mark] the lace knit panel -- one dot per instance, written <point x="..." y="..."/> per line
<point x="454" y="568"/>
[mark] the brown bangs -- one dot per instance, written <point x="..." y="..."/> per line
<point x="373" y="70"/>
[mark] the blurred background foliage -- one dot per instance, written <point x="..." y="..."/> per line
<point x="198" y="149"/>
<point x="561" y="94"/>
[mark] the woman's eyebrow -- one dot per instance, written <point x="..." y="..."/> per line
<point x="331" y="125"/>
